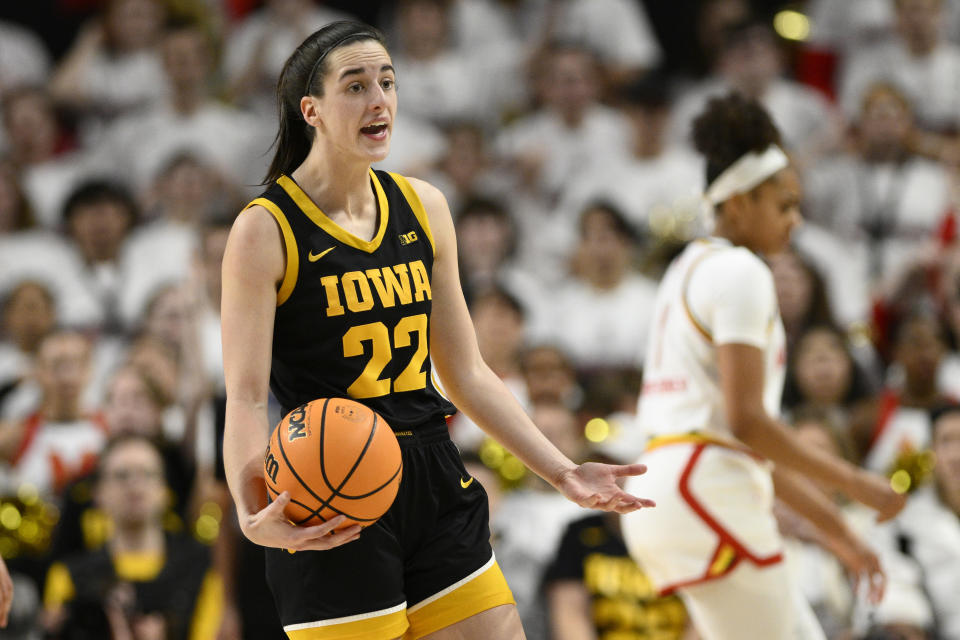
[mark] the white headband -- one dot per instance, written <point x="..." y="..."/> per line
<point x="746" y="173"/>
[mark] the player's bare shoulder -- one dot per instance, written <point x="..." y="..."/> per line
<point x="255" y="245"/>
<point x="438" y="212"/>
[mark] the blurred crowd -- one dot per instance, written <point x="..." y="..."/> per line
<point x="559" y="132"/>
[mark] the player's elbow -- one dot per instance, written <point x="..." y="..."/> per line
<point x="747" y="422"/>
<point x="461" y="379"/>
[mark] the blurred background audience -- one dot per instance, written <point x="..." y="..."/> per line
<point x="134" y="131"/>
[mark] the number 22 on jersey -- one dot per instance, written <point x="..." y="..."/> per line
<point x="369" y="384"/>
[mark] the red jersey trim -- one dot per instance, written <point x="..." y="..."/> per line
<point x="889" y="403"/>
<point x="715" y="567"/>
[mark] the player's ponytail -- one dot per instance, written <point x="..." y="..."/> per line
<point x="302" y="75"/>
<point x="728" y="128"/>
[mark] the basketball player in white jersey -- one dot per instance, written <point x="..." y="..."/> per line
<point x="712" y="382"/>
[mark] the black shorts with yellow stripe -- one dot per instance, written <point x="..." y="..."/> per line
<point x="426" y="564"/>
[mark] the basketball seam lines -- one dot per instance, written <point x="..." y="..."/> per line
<point x="314" y="513"/>
<point x="296" y="475"/>
<point x="323" y="453"/>
<point x="336" y="491"/>
<point x="356" y="463"/>
<point x="296" y="502"/>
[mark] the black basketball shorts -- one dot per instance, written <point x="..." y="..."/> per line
<point x="426" y="564"/>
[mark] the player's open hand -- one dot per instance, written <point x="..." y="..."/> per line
<point x="270" y="528"/>
<point x="860" y="562"/>
<point x="594" y="486"/>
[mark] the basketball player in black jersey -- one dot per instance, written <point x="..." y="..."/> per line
<point x="342" y="281"/>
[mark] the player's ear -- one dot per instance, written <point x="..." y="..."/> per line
<point x="735" y="211"/>
<point x="310" y="110"/>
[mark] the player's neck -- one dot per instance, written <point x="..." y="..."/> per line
<point x="186" y="103"/>
<point x="336" y="186"/>
<point x="137" y="539"/>
<point x="723" y="232"/>
<point x="61" y="409"/>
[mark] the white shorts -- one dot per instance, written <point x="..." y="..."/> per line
<point x="714" y="510"/>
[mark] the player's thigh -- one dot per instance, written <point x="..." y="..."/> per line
<point x="501" y="622"/>
<point x="750" y="603"/>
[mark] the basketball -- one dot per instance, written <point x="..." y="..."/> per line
<point x="334" y="456"/>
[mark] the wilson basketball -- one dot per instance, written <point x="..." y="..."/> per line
<point x="335" y="456"/>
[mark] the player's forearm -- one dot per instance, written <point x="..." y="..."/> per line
<point x="244" y="441"/>
<point x="806" y="500"/>
<point x="483" y="396"/>
<point x="775" y="441"/>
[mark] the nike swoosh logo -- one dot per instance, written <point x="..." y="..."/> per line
<point x="313" y="257"/>
<point x="467" y="483"/>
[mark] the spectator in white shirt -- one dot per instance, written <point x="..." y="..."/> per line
<point x="817" y="566"/>
<point x="931" y="522"/>
<point x="60" y="441"/>
<point x="571" y="131"/>
<point x="41" y="148"/>
<point x="656" y="180"/>
<point x="99" y="217"/>
<point x="113" y="67"/>
<point x="750" y="62"/>
<point x="187" y="193"/>
<point x="438" y="83"/>
<point x="601" y="316"/>
<point x="487" y="245"/>
<point x="140" y="146"/>
<point x="919" y="61"/>
<point x="260" y="44"/>
<point x="618" y="30"/>
<point x="883" y="201"/>
<point x="41" y="255"/>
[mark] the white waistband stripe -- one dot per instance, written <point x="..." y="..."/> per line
<point x="332" y="621"/>
<point x="455" y="585"/>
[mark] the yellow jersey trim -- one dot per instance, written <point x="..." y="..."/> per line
<point x="208" y="611"/>
<point x="695" y="437"/>
<point x="320" y="219"/>
<point x="138" y="566"/>
<point x="484" y="590"/>
<point x="725" y="556"/>
<point x="59" y="588"/>
<point x="374" y="626"/>
<point x="699" y="326"/>
<point x="413" y="199"/>
<point x="290" y="243"/>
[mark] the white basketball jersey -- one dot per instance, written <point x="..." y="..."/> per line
<point x="713" y="293"/>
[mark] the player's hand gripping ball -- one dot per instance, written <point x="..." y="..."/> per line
<point x="334" y="456"/>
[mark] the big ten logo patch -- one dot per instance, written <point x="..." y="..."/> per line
<point x="296" y="424"/>
<point x="350" y="414"/>
<point x="270" y="465"/>
<point x="408" y="238"/>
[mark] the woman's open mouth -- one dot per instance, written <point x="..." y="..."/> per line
<point x="376" y="131"/>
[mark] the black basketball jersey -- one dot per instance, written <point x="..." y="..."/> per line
<point x="353" y="316"/>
